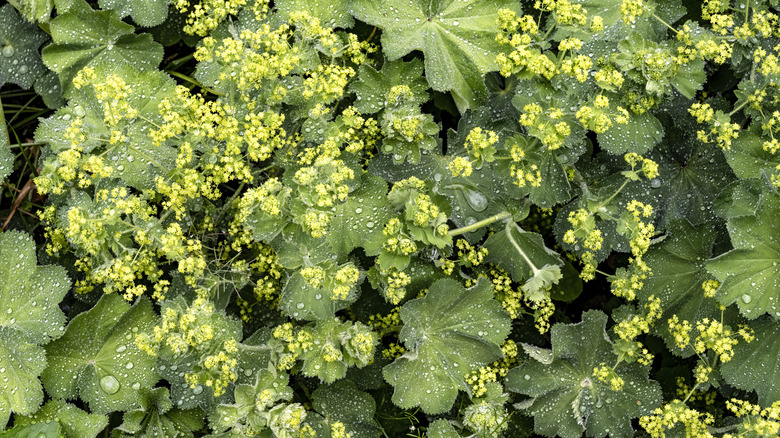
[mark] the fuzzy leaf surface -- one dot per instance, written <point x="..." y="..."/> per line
<point x="456" y="37"/>
<point x="567" y="400"/>
<point x="29" y="317"/>
<point x="74" y="422"/>
<point x="750" y="273"/>
<point x="343" y="402"/>
<point x="84" y="37"/>
<point x="448" y="333"/>
<point x="756" y="364"/>
<point x="20" y="62"/>
<point x="146" y="13"/>
<point x="97" y="360"/>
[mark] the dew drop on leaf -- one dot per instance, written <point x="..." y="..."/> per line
<point x="8" y="51"/>
<point x="109" y="384"/>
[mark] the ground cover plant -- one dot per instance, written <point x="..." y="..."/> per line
<point x="364" y="218"/>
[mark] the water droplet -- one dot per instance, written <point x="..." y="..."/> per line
<point x="476" y="200"/>
<point x="136" y="386"/>
<point x="197" y="390"/>
<point x="121" y="348"/>
<point x="358" y="210"/>
<point x="129" y="366"/>
<point x="746" y="299"/>
<point x="8" y="51"/>
<point x="527" y="377"/>
<point x="370" y="224"/>
<point x="299" y="305"/>
<point x="23" y="69"/>
<point x="109" y="384"/>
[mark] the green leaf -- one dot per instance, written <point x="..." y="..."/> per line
<point x="568" y="400"/>
<point x="358" y="222"/>
<point x="155" y="418"/>
<point x="448" y="333"/>
<point x="372" y="86"/>
<point x="97" y="360"/>
<point x="639" y="135"/>
<point x="756" y="364"/>
<point x="331" y="13"/>
<point x="37" y="430"/>
<point x="146" y="13"/>
<point x="679" y="269"/>
<point x="29" y="317"/>
<point x="525" y="257"/>
<point x="137" y="161"/>
<point x="748" y="158"/>
<point x="20" y="61"/>
<point x="83" y="37"/>
<point x="343" y="402"/>
<point x="48" y="87"/>
<point x="6" y="157"/>
<point x="442" y="428"/>
<point x="74" y="422"/>
<point x="456" y="37"/>
<point x="34" y="10"/>
<point x="690" y="78"/>
<point x="750" y="273"/>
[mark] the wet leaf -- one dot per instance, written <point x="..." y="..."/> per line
<point x="567" y="400"/>
<point x="29" y="317"/>
<point x="20" y="61"/>
<point x="448" y="333"/>
<point x="97" y="359"/>
<point x="457" y="39"/>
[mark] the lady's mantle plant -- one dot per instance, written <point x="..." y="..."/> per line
<point x="359" y="218"/>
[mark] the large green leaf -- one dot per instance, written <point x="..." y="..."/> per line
<point x="331" y="13"/>
<point x="343" y="402"/>
<point x="34" y="10"/>
<point x="136" y="161"/>
<point x="83" y="37"/>
<point x="155" y="417"/>
<point x="359" y="221"/>
<point x="74" y="422"/>
<point x="146" y="13"/>
<point x="37" y="430"/>
<point x="567" y="400"/>
<point x="756" y="365"/>
<point x="20" y="61"/>
<point x="448" y="333"/>
<point x="372" y="86"/>
<point x="97" y="359"/>
<point x="458" y="39"/>
<point x="639" y="135"/>
<point x="750" y="273"/>
<point x="679" y="269"/>
<point x="525" y="257"/>
<point x="29" y="316"/>
<point x="749" y="159"/>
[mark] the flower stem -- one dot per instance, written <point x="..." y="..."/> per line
<point x="480" y="224"/>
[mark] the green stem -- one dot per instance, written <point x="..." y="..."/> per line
<point x="480" y="224"/>
<point x="665" y="23"/>
<point x="194" y="82"/>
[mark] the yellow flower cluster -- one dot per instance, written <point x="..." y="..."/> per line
<point x="674" y="413"/>
<point x="631" y="9"/>
<point x="295" y="344"/>
<point x="393" y="351"/>
<point x="584" y="230"/>
<point x="509" y="297"/>
<point x="205" y="15"/>
<point x="479" y="379"/>
<point x="722" y="131"/>
<point x="386" y="322"/>
<point x="760" y="421"/>
<point x="710" y="287"/>
<point x="544" y="124"/>
<point x="468" y="255"/>
<point x="523" y="172"/>
<point x="338" y="430"/>
<point x="599" y="117"/>
<point x="479" y="144"/>
<point x="606" y="374"/>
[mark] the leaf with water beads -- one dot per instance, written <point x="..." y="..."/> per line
<point x="84" y="37"/>
<point x="156" y="417"/>
<point x="756" y="364"/>
<point x="372" y="87"/>
<point x="448" y="333"/>
<point x="97" y="358"/>
<point x="37" y="430"/>
<point x="567" y="400"/>
<point x="639" y="135"/>
<point x="20" y="61"/>
<point x="331" y="13"/>
<point x="29" y="316"/>
<point x="679" y="269"/>
<point x="750" y="273"/>
<point x="6" y="157"/>
<point x="457" y="39"/>
<point x="74" y="422"/>
<point x="146" y="13"/>
<point x="343" y="402"/>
